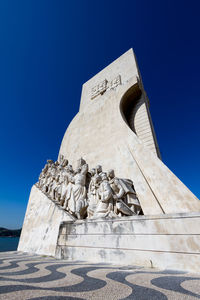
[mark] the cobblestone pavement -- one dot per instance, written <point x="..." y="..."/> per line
<point x="24" y="276"/>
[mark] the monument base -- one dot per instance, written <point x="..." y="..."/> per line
<point x="41" y="224"/>
<point x="162" y="241"/>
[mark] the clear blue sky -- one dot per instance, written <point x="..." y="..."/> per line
<point x="48" y="49"/>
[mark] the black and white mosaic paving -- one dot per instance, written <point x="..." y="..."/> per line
<point x="33" y="277"/>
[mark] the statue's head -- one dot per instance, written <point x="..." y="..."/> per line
<point x="111" y="173"/>
<point x="69" y="169"/>
<point x="92" y="171"/>
<point x="60" y="158"/>
<point x="98" y="169"/>
<point x="64" y="162"/>
<point x="81" y="162"/>
<point x="50" y="161"/>
<point x="104" y="176"/>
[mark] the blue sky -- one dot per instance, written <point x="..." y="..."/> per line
<point x="48" y="49"/>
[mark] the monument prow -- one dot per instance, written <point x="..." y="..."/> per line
<point x="109" y="193"/>
<point x="114" y="128"/>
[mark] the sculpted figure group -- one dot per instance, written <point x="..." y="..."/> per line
<point x="88" y="194"/>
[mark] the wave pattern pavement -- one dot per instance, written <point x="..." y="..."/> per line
<point x="33" y="277"/>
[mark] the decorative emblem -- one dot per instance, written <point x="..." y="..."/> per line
<point x="99" y="89"/>
<point x="105" y="85"/>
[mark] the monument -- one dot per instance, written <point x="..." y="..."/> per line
<point x="109" y="197"/>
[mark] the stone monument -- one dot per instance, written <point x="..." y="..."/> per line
<point x="109" y="197"/>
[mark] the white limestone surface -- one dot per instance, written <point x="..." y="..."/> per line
<point x="165" y="241"/>
<point x="41" y="224"/>
<point x="101" y="135"/>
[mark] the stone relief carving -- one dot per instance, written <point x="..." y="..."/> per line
<point x="88" y="194"/>
<point x="105" y="85"/>
<point x="115" y="82"/>
<point x="99" y="89"/>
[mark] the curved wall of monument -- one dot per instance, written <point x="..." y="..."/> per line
<point x="134" y="108"/>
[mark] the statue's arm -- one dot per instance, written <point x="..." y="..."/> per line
<point x="121" y="192"/>
<point x="84" y="169"/>
<point x="107" y="194"/>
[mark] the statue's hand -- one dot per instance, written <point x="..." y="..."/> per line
<point x="115" y="197"/>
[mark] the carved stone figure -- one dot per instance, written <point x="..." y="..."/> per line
<point x="105" y="205"/>
<point x="65" y="187"/>
<point x="81" y="162"/>
<point x="91" y="194"/>
<point x="53" y="187"/>
<point x="61" y="188"/>
<point x="43" y="174"/>
<point x="77" y="202"/>
<point x="53" y="169"/>
<point x="42" y="177"/>
<point x="125" y="197"/>
<point x="47" y="181"/>
<point x="70" y="170"/>
<point x="98" y="169"/>
<point x="62" y="161"/>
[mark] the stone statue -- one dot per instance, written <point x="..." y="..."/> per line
<point x="126" y="201"/>
<point x="42" y="177"/>
<point x="81" y="162"/>
<point x="65" y="187"/>
<point x="98" y="169"/>
<point x="43" y="174"/>
<point x="53" y="187"/>
<point x="93" y="194"/>
<point x="62" y="161"/>
<point x="77" y="203"/>
<point x="105" y="205"/>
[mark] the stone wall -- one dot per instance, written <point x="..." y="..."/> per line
<point x="140" y="122"/>
<point x="100" y="134"/>
<point x="165" y="241"/>
<point x="41" y="224"/>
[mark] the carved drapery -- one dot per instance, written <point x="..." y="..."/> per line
<point x="88" y="194"/>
